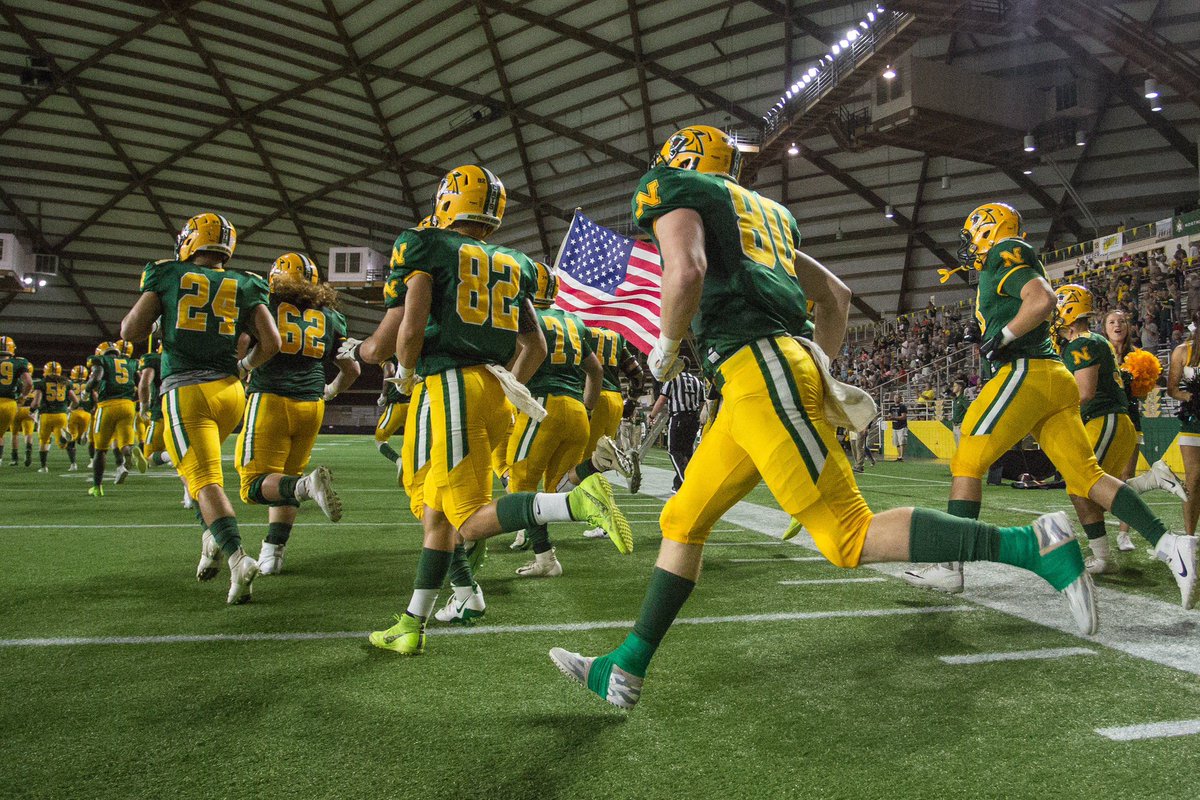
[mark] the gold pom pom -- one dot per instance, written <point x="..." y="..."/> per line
<point x="1145" y="368"/>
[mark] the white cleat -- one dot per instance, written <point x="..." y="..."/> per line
<point x="270" y="559"/>
<point x="73" y="468"/>
<point x="1054" y="531"/>
<point x="120" y="476"/>
<point x="242" y="571"/>
<point x="595" y="533"/>
<point x="544" y="565"/>
<point x="43" y="469"/>
<point x="1124" y="543"/>
<point x="1166" y="479"/>
<point x="464" y="613"/>
<point x="519" y="542"/>
<point x="1101" y="566"/>
<point x="90" y="462"/>
<point x="210" y="558"/>
<point x="623" y="690"/>
<point x="1178" y="551"/>
<point x="946" y="577"/>
<point x="318" y="485"/>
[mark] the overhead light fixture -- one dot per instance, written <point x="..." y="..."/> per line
<point x="864" y="25"/>
<point x="837" y="48"/>
<point x="793" y="150"/>
<point x="1030" y="144"/>
<point x="888" y="211"/>
<point x="889" y="73"/>
<point x="844" y="43"/>
<point x="28" y="281"/>
<point x="788" y="94"/>
<point x="1027" y="171"/>
<point x="840" y="234"/>
<point x="870" y="16"/>
<point x="812" y="72"/>
<point x="945" y="181"/>
<point x="1156" y="104"/>
<point x="41" y="282"/>
<point x="1080" y="138"/>
<point x="1151" y="88"/>
<point x="851" y="35"/>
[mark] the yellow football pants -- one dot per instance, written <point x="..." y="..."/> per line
<point x="772" y="427"/>
<point x="415" y="450"/>
<point x="1029" y="395"/>
<point x="500" y="467"/>
<point x="1114" y="440"/>
<point x="49" y="426"/>
<point x="199" y="418"/>
<point x="467" y="419"/>
<point x="113" y="424"/>
<point x="278" y="434"/>
<point x="155" y="441"/>
<point x="8" y="413"/>
<point x="546" y="450"/>
<point x="391" y="421"/>
<point x="606" y="418"/>
<point x="140" y="428"/>
<point x="79" y="424"/>
<point x="22" y="424"/>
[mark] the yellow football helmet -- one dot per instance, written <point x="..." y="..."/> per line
<point x="547" y="285"/>
<point x="1074" y="301"/>
<point x="294" y="267"/>
<point x="79" y="372"/>
<point x="986" y="225"/>
<point x="126" y="348"/>
<point x="104" y="348"/>
<point x="429" y="222"/>
<point x="470" y="194"/>
<point x="702" y="148"/>
<point x="206" y="233"/>
<point x="52" y="369"/>
<point x="8" y="346"/>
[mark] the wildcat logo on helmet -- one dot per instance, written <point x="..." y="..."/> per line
<point x="470" y="194"/>
<point x="702" y="148"/>
<point x="295" y="267"/>
<point x="985" y="226"/>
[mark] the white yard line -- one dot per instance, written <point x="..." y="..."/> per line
<point x="769" y="560"/>
<point x="741" y="619"/>
<point x="196" y="526"/>
<point x="816" y="581"/>
<point x="1152" y="730"/>
<point x="1018" y="655"/>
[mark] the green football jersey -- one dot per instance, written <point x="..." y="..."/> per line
<point x="1010" y="264"/>
<point x="612" y="350"/>
<point x="11" y="370"/>
<point x="120" y="377"/>
<point x="567" y="345"/>
<point x="310" y="338"/>
<point x="750" y="288"/>
<point x="204" y="309"/>
<point x="477" y="293"/>
<point x="390" y="393"/>
<point x="87" y="402"/>
<point x="959" y="412"/>
<point x="1093" y="350"/>
<point x="54" y="395"/>
<point x="153" y="361"/>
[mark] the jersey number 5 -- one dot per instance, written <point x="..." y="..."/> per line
<point x="477" y="296"/>
<point x="195" y="291"/>
<point x="294" y="339"/>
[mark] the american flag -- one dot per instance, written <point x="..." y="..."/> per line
<point x="611" y="282"/>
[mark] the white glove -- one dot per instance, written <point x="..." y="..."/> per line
<point x="348" y="351"/>
<point x="664" y="360"/>
<point x="405" y="380"/>
<point x="329" y="393"/>
<point x="381" y="401"/>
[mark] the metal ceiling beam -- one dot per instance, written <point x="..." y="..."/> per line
<point x="635" y="28"/>
<point x="509" y="104"/>
<point x="626" y="57"/>
<point x="902" y="303"/>
<point x="802" y="22"/>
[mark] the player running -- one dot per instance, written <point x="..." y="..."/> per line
<point x="732" y="270"/>
<point x="51" y="396"/>
<point x="16" y="383"/>
<point x="113" y="377"/>
<point x="395" y="411"/>
<point x="79" y="420"/>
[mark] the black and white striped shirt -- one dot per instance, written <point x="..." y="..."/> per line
<point x="684" y="393"/>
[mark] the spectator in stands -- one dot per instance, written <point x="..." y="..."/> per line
<point x="1180" y="253"/>
<point x="899" y="420"/>
<point x="1149" y="332"/>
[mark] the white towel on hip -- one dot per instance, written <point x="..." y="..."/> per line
<point x="846" y="406"/>
<point x="517" y="394"/>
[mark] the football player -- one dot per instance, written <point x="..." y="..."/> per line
<point x="16" y="382"/>
<point x="51" y="396"/>
<point x="732" y="271"/>
<point x="474" y="296"/>
<point x="567" y="384"/>
<point x="154" y="446"/>
<point x="205" y="307"/>
<point x="79" y="421"/>
<point x="395" y="410"/>
<point x="1031" y="391"/>
<point x="286" y="404"/>
<point x="113" y="377"/>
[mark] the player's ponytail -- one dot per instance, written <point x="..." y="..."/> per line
<point x="306" y="295"/>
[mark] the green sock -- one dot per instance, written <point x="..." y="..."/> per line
<point x="1128" y="507"/>
<point x="287" y="487"/>
<point x="278" y="532"/>
<point x="539" y="537"/>
<point x="387" y="452"/>
<point x="225" y="532"/>
<point x="585" y="470"/>
<point x="42" y="456"/>
<point x="515" y="511"/>
<point x="460" y="567"/>
<point x="963" y="508"/>
<point x="432" y="567"/>
<point x="1095" y="530"/>
<point x="665" y="595"/>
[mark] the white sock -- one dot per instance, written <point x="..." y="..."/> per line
<point x="551" y="507"/>
<point x="302" y="487"/>
<point x="421" y="604"/>
<point x="1099" y="547"/>
<point x="1143" y="483"/>
<point x="463" y="593"/>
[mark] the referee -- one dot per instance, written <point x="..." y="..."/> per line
<point x="684" y="396"/>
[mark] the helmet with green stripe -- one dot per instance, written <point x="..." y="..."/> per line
<point x="470" y="193"/>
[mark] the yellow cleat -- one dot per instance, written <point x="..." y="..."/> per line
<point x="592" y="501"/>
<point x="406" y="637"/>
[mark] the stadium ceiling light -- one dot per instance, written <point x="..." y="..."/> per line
<point x="889" y="73"/>
<point x="835" y="49"/>
<point x="1080" y="138"/>
<point x="851" y="35"/>
<point x="1151" y="88"/>
<point x="1027" y="171"/>
<point x="945" y="181"/>
<point x="41" y="282"/>
<point x="793" y="150"/>
<point x="870" y="16"/>
<point x="812" y="72"/>
<point x="844" y="43"/>
<point x="888" y="211"/>
<point x="1030" y="144"/>
<point x="1156" y="105"/>
<point x="788" y="94"/>
<point x="864" y="25"/>
<point x="28" y="281"/>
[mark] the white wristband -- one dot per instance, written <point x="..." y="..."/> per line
<point x="244" y="364"/>
<point x="1006" y="335"/>
<point x="668" y="345"/>
<point x="404" y="373"/>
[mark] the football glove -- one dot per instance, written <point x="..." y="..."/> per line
<point x="664" y="360"/>
<point x="405" y="380"/>
<point x="349" y="350"/>
<point x="995" y="349"/>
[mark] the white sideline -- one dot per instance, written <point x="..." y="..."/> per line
<point x="744" y="619"/>
<point x="1153" y="730"/>
<point x="771" y="560"/>
<point x="816" y="581"/>
<point x="1018" y="655"/>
